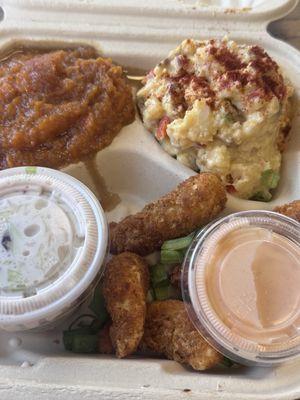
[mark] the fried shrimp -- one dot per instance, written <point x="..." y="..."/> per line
<point x="169" y="331"/>
<point x="125" y="287"/>
<point x="291" y="210"/>
<point x="193" y="203"/>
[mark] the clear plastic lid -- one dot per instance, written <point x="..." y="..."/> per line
<point x="53" y="240"/>
<point x="241" y="282"/>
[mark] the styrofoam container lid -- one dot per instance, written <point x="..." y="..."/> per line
<point x="53" y="240"/>
<point x="135" y="167"/>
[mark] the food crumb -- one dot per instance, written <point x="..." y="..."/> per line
<point x="26" y="364"/>
<point x="220" y="387"/>
<point x="237" y="10"/>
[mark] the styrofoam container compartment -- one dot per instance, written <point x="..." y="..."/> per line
<point x="137" y="35"/>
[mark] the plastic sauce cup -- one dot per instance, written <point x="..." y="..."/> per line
<point x="53" y="242"/>
<point x="241" y="287"/>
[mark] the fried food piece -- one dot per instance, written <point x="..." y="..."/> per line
<point x="169" y="331"/>
<point x="194" y="203"/>
<point x="291" y="210"/>
<point x="60" y="107"/>
<point x="125" y="287"/>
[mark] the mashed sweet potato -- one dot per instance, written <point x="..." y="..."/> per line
<point x="60" y="107"/>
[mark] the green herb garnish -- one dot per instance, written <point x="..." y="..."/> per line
<point x="262" y="196"/>
<point x="226" y="362"/>
<point x="178" y="244"/>
<point x="98" y="306"/>
<point x="82" y="337"/>
<point x="31" y="170"/>
<point x="171" y="256"/>
<point x="166" y="292"/>
<point x="158" y="274"/>
<point x="270" y="178"/>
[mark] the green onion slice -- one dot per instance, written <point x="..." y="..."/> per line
<point x="85" y="343"/>
<point x="270" y="178"/>
<point x="98" y="306"/>
<point x="166" y="292"/>
<point x="226" y="362"/>
<point x="262" y="196"/>
<point x="162" y="292"/>
<point x="68" y="336"/>
<point x="150" y="296"/>
<point x="178" y="244"/>
<point x="81" y="322"/>
<point x="158" y="274"/>
<point x="171" y="256"/>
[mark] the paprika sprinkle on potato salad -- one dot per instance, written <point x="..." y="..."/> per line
<point x="221" y="107"/>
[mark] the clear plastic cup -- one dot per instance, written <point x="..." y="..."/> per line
<point x="53" y="242"/>
<point x="240" y="283"/>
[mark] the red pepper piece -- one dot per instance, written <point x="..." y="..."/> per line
<point x="231" y="189"/>
<point x="150" y="74"/>
<point x="161" y="131"/>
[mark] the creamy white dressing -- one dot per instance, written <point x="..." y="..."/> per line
<point x="53" y="241"/>
<point x="36" y="240"/>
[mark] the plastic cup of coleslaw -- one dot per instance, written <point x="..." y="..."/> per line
<point x="240" y="283"/>
<point x="53" y="243"/>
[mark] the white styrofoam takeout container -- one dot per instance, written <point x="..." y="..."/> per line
<point x="138" y="34"/>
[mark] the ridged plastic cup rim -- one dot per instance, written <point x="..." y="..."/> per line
<point x="55" y="303"/>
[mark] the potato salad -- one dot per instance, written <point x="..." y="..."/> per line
<point x="221" y="107"/>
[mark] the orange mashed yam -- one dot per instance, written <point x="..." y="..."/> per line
<point x="60" y="107"/>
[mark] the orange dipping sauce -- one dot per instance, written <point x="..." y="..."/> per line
<point x="244" y="286"/>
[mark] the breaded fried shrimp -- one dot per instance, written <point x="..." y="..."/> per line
<point x="195" y="202"/>
<point x="291" y="210"/>
<point x="169" y="331"/>
<point x="125" y="287"/>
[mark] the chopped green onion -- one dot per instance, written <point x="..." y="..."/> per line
<point x="270" y="178"/>
<point x="158" y="274"/>
<point x="14" y="276"/>
<point x="16" y="288"/>
<point x="95" y="326"/>
<point x="152" y="259"/>
<point x="166" y="292"/>
<point x="162" y="292"/>
<point x="83" y="338"/>
<point x="67" y="341"/>
<point x="150" y="296"/>
<point x="226" y="362"/>
<point x="68" y="336"/>
<point x="262" y="196"/>
<point x="171" y="256"/>
<point x="81" y="322"/>
<point x="98" y="306"/>
<point x="30" y="170"/>
<point x="85" y="343"/>
<point x="178" y="244"/>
